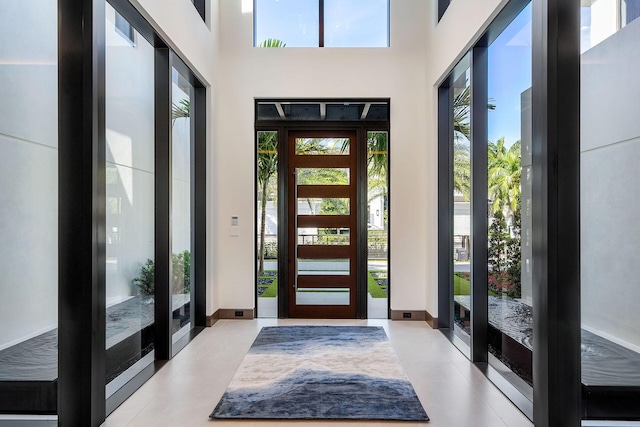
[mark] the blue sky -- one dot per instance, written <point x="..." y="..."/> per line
<point x="348" y="23"/>
<point x="509" y="76"/>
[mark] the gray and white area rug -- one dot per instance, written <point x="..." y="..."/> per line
<point x="321" y="372"/>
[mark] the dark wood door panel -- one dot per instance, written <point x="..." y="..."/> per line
<point x="324" y="191"/>
<point x="326" y="251"/>
<point x="324" y="281"/>
<point x="310" y="305"/>
<point x="324" y="221"/>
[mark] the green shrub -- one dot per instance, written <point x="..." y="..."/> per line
<point x="146" y="281"/>
<point x="180" y="282"/>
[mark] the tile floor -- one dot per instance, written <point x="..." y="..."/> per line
<point x="185" y="391"/>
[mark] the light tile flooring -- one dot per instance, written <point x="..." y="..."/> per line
<point x="185" y="391"/>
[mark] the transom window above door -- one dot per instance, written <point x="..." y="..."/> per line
<point x="321" y="23"/>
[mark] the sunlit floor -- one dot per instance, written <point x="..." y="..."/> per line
<point x="185" y="391"/>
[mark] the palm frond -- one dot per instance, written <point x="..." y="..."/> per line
<point x="181" y="110"/>
<point x="272" y="43"/>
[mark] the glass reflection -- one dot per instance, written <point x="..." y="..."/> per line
<point x="610" y="150"/>
<point x="462" y="205"/>
<point x="28" y="195"/>
<point x="130" y="175"/>
<point x="509" y="190"/>
<point x="181" y="205"/>
<point x="324" y="296"/>
<point x="602" y="18"/>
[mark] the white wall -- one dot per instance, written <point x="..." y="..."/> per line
<point x="610" y="178"/>
<point x="406" y="73"/>
<point x="247" y="73"/>
<point x="28" y="170"/>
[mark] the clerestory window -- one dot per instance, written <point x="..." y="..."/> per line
<point x="321" y="23"/>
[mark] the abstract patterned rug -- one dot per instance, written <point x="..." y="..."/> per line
<point x="321" y="372"/>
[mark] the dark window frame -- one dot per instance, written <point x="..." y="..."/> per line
<point x="82" y="231"/>
<point x="200" y="6"/>
<point x="556" y="215"/>
<point x="442" y="7"/>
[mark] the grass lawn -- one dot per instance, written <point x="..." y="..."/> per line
<point x="462" y="286"/>
<point x="374" y="289"/>
<point x="271" y="291"/>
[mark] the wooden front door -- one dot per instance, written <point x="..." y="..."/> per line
<point x="322" y="224"/>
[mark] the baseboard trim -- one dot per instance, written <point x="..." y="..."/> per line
<point x="419" y="315"/>
<point x="233" y="313"/>
<point x="211" y="320"/>
<point x="432" y="321"/>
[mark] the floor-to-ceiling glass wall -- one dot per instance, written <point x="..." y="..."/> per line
<point x="500" y="66"/>
<point x="181" y="204"/>
<point x="378" y="225"/>
<point x="28" y="205"/>
<point x="510" y="288"/>
<point x="130" y="139"/>
<point x="461" y="106"/>
<point x="267" y="223"/>
<point x="610" y="231"/>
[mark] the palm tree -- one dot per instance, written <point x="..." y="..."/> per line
<point x="377" y="146"/>
<point x="504" y="177"/>
<point x="377" y="164"/>
<point x="462" y="138"/>
<point x="462" y="169"/>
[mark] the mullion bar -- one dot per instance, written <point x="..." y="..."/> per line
<point x="200" y="209"/>
<point x="362" y="188"/>
<point x="321" y="23"/>
<point x="556" y="213"/>
<point x="81" y="210"/>
<point x="162" y="205"/>
<point x="479" y="206"/>
<point x="445" y="207"/>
